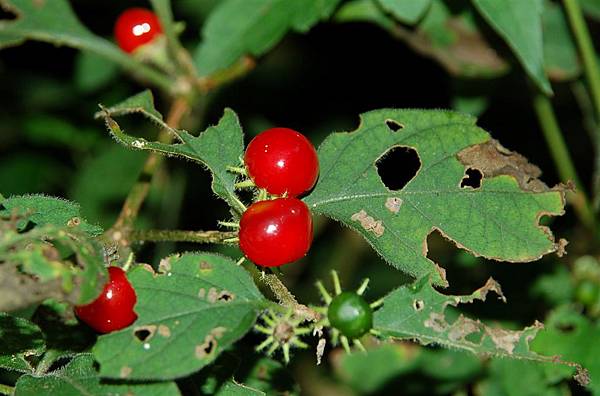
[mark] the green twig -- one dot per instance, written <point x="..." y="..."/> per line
<point x="181" y="236"/>
<point x="562" y="158"/>
<point x="47" y="360"/>
<point x="179" y="53"/>
<point x="137" y="68"/>
<point x="139" y="191"/>
<point x="590" y="123"/>
<point x="586" y="49"/>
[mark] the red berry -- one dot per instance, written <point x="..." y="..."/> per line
<point x="113" y="309"/>
<point x="276" y="232"/>
<point x="135" y="27"/>
<point x="282" y="160"/>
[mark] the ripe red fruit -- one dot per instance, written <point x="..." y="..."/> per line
<point x="276" y="232"/>
<point x="135" y="27"/>
<point x="282" y="160"/>
<point x="113" y="309"/>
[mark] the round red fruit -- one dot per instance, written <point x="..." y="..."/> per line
<point x="113" y="309"/>
<point x="276" y="232"/>
<point x="281" y="160"/>
<point x="135" y="27"/>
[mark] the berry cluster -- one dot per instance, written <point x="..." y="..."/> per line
<point x="284" y="164"/>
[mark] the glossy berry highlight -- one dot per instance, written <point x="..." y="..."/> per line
<point x="136" y="27"/>
<point x="113" y="309"/>
<point x="282" y="161"/>
<point x="276" y="232"/>
<point x="350" y="314"/>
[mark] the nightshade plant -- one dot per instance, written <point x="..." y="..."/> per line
<point x="216" y="319"/>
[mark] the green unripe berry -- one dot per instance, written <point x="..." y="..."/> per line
<point x="350" y="314"/>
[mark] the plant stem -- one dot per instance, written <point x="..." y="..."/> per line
<point x="176" y="50"/>
<point x="47" y="360"/>
<point x="586" y="49"/>
<point x="287" y="299"/>
<point x="139" y="191"/>
<point x="181" y="236"/>
<point x="584" y="101"/>
<point x="562" y="158"/>
<point x="6" y="389"/>
<point x="108" y="50"/>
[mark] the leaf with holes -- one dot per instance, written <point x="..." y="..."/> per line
<point x="407" y="11"/>
<point x="79" y="377"/>
<point x="519" y="23"/>
<point x="187" y="316"/>
<point x="252" y="27"/>
<point x="42" y="210"/>
<point x="20" y="339"/>
<point x="217" y="147"/>
<point x="419" y="312"/>
<point x="495" y="216"/>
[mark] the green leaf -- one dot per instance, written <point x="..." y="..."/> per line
<point x="419" y="312"/>
<point x="367" y="373"/>
<point x="363" y="11"/>
<point x="407" y="11"/>
<point x="498" y="220"/>
<point x="231" y="388"/>
<point x="268" y="376"/>
<point x="110" y="162"/>
<point x="519" y="23"/>
<point x="217" y="147"/>
<point x="93" y="72"/>
<point x="79" y="377"/>
<point x="560" y="54"/>
<point x="43" y="210"/>
<point x="47" y="130"/>
<point x="186" y="318"/>
<point x="519" y="378"/>
<point x="19" y="339"/>
<point x="248" y="370"/>
<point x="572" y="336"/>
<point x="556" y="288"/>
<point x="252" y="27"/>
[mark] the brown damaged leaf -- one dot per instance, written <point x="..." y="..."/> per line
<point x="468" y="54"/>
<point x="493" y="159"/>
<point x="369" y="223"/>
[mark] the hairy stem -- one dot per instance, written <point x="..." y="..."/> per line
<point x="139" y="191"/>
<point x="562" y="158"/>
<point x="181" y="236"/>
<point x="287" y="299"/>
